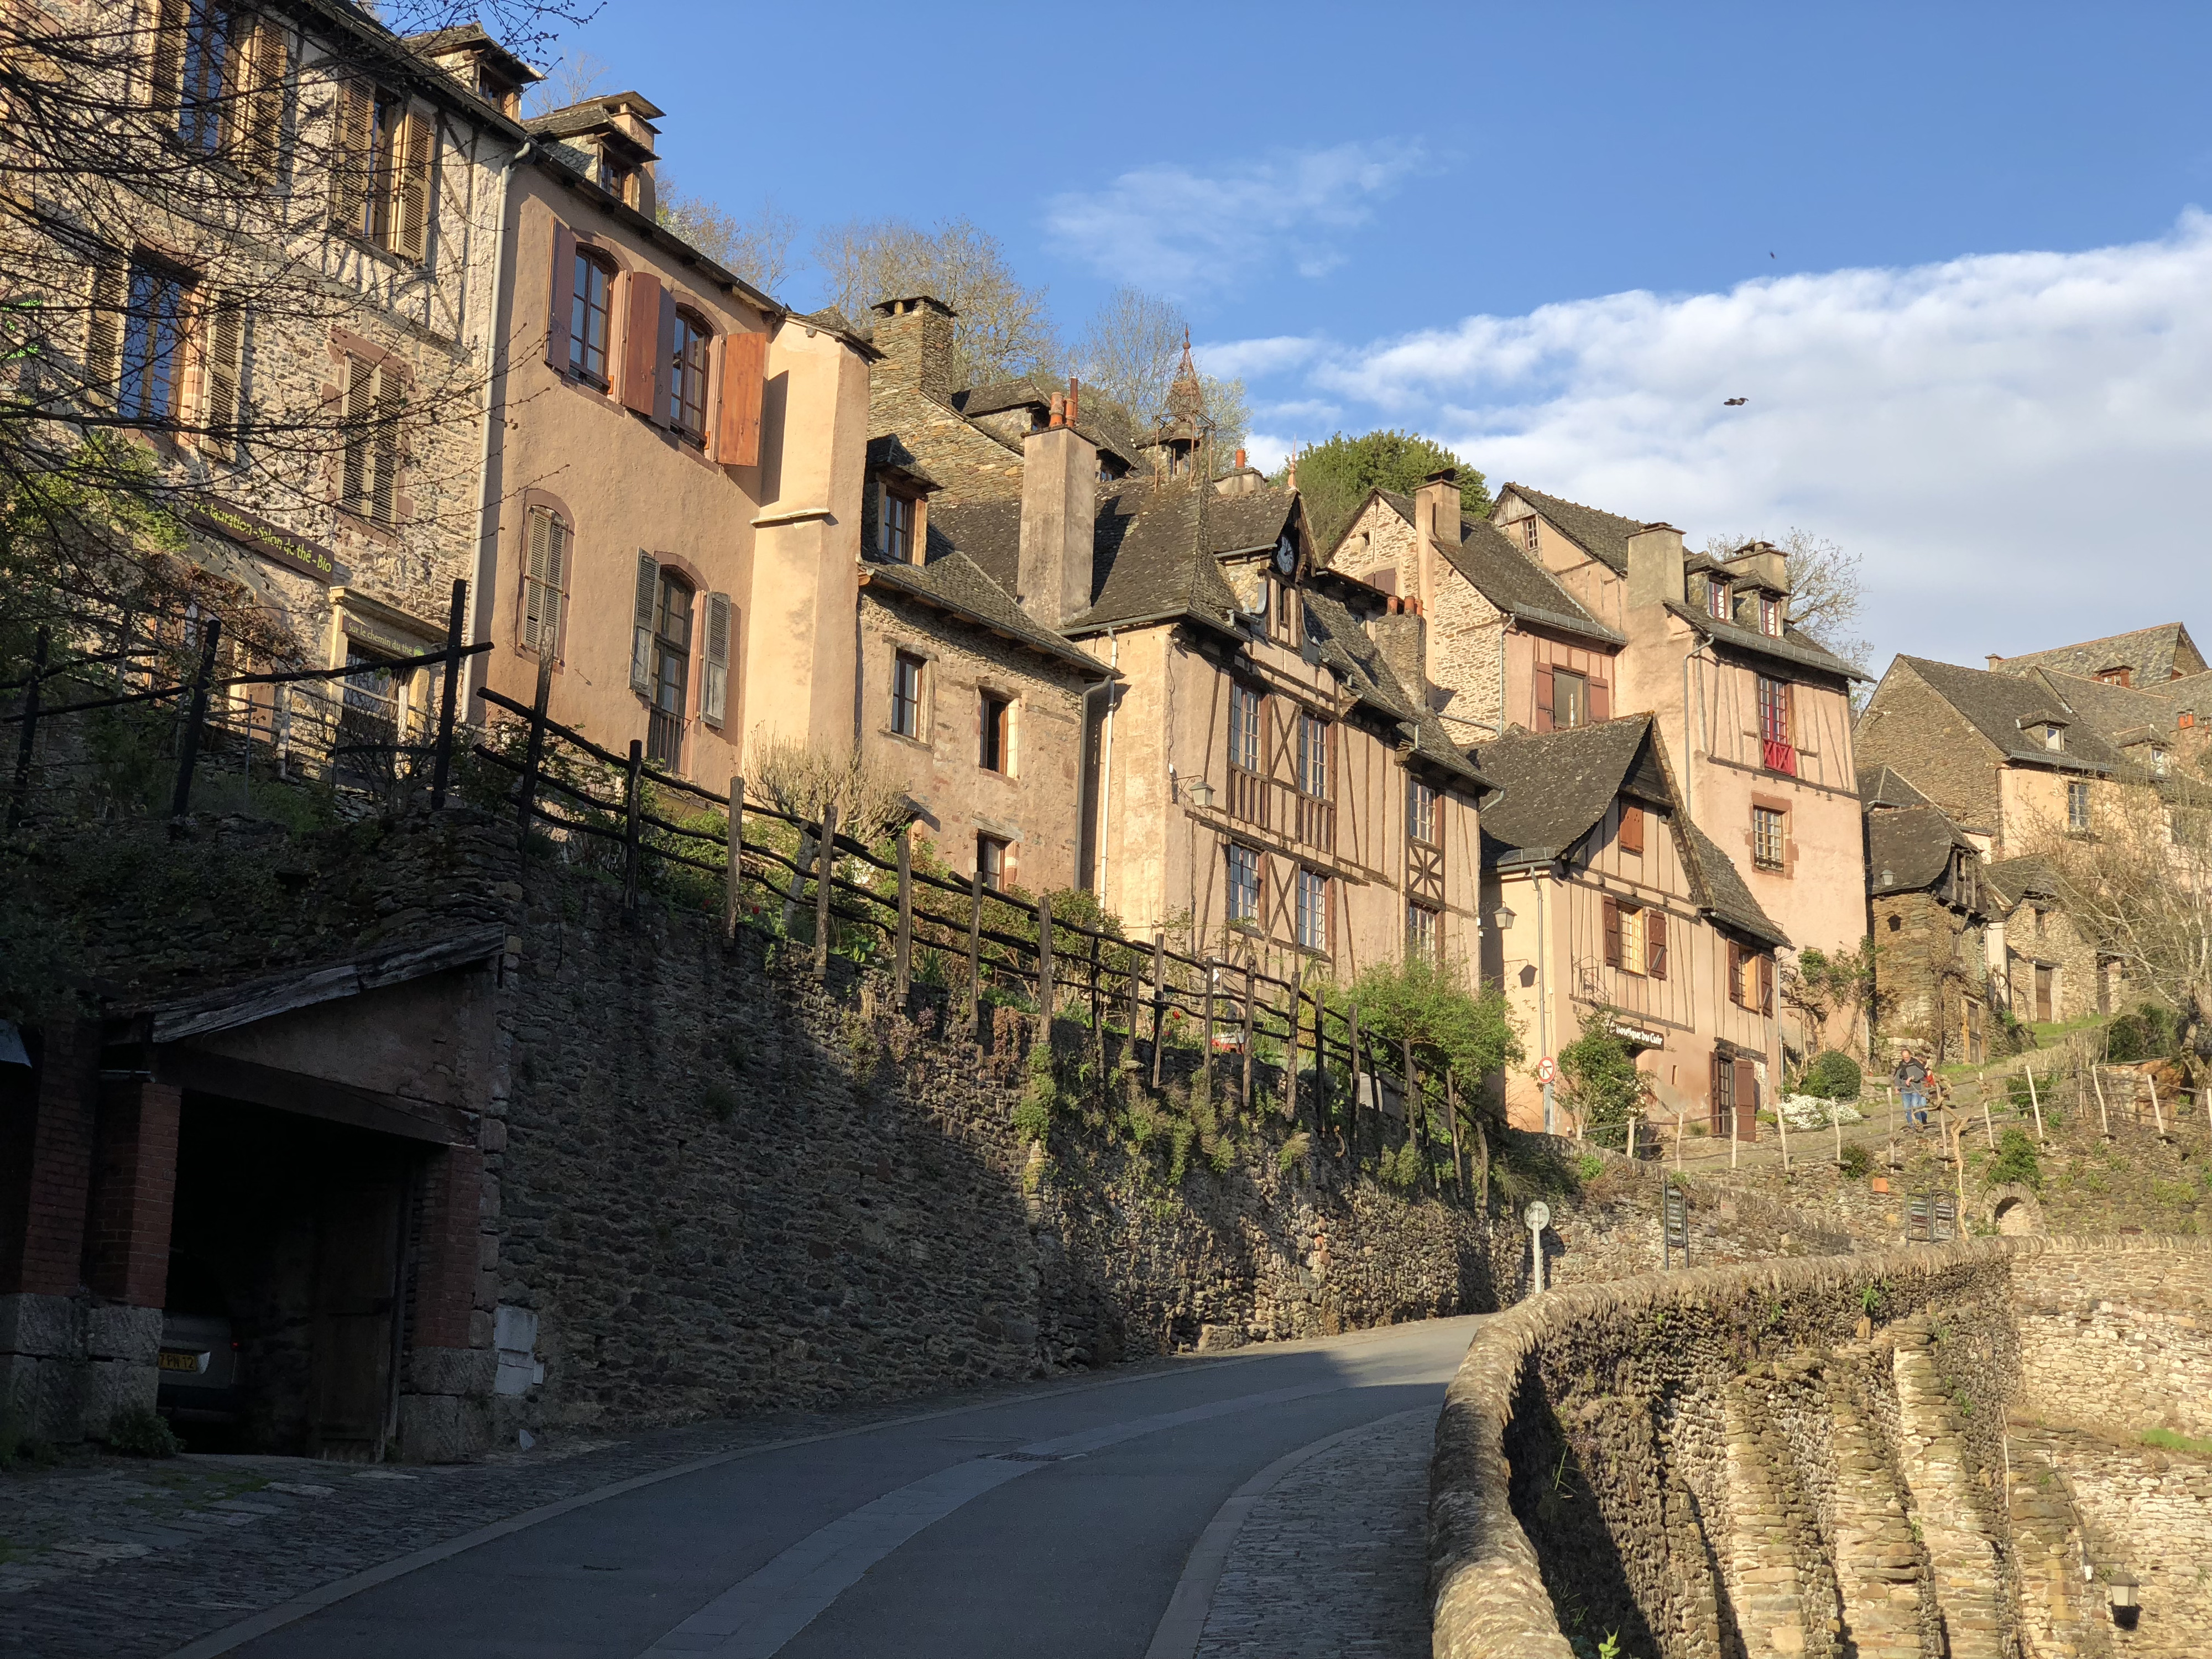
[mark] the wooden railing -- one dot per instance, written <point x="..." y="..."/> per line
<point x="1779" y="755"/>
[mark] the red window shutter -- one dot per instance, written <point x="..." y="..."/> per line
<point x="640" y="343"/>
<point x="1654" y="936"/>
<point x="745" y="363"/>
<point x="560" y="296"/>
<point x="1611" y="933"/>
<point x="1767" y="983"/>
<point x="1601" y="702"/>
<point x="1735" y="974"/>
<point x="663" y="361"/>
<point x="1544" y="698"/>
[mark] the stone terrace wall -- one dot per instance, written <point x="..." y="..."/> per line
<point x="2119" y="1336"/>
<point x="1809" y="1456"/>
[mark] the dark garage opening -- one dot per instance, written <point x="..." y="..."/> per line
<point x="298" y="1232"/>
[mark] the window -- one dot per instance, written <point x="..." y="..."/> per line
<point x="1313" y="757"/>
<point x="1717" y="598"/>
<point x="369" y="475"/>
<point x="1778" y="752"/>
<point x="618" y="180"/>
<point x="1570" y="700"/>
<point x="1751" y="978"/>
<point x="897" y="538"/>
<point x="1770" y="615"/>
<point x="2117" y="676"/>
<point x="2158" y="762"/>
<point x="1421" y="932"/>
<point x="380" y="172"/>
<point x="221" y="72"/>
<point x="687" y="377"/>
<point x="1424" y="818"/>
<point x="1313" y="910"/>
<point x="2077" y="807"/>
<point x="1766" y="837"/>
<point x="1244" y="715"/>
<point x="2054" y="737"/>
<point x="208" y="67"/>
<point x="544" y="579"/>
<point x="1635" y="939"/>
<point x="156" y="319"/>
<point x="2039" y="922"/>
<point x="1244" y="883"/>
<point x="1384" y="580"/>
<point x="372" y="718"/>
<point x="2045" y="981"/>
<point x="995" y="751"/>
<point x="1283" y="611"/>
<point x="671" y="670"/>
<point x="1528" y="534"/>
<point x="906" y="694"/>
<point x="1631" y="828"/>
<point x="990" y="861"/>
<point x="591" y="310"/>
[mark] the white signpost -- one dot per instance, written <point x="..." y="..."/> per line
<point x="1538" y="1215"/>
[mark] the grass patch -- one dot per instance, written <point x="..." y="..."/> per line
<point x="2167" y="1440"/>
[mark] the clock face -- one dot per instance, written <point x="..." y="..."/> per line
<point x="1286" y="556"/>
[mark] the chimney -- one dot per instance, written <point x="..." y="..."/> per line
<point x="1655" y="565"/>
<point x="1401" y="637"/>
<point x="1993" y="660"/>
<point x="914" y="334"/>
<point x="1436" y="526"/>
<point x="1060" y="505"/>
<point x="1072" y="394"/>
<point x="1240" y="460"/>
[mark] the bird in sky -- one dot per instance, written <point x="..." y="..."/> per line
<point x="1730" y="403"/>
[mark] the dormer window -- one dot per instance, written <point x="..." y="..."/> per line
<point x="1716" y="599"/>
<point x="617" y="180"/>
<point x="2116" y="677"/>
<point x="1528" y="534"/>
<point x="1770" y="616"/>
<point x="2158" y="762"/>
<point x="2054" y="737"/>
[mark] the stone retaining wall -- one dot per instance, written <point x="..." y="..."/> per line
<point x="1804" y="1457"/>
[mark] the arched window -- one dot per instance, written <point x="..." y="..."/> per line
<point x="687" y="376"/>
<point x="590" y="318"/>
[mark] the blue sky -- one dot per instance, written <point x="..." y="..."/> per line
<point x="1951" y="254"/>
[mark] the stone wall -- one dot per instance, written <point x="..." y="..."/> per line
<point x="1810" y="1457"/>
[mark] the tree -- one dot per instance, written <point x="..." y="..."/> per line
<point x="1001" y="327"/>
<point x="1334" y="477"/>
<point x="1825" y="588"/>
<point x="1451" y="1028"/>
<point x="1130" y="351"/>
<point x="1599" y="1082"/>
<point x="1823" y="984"/>
<point x="2140" y="887"/>
<point x="569" y="81"/>
<point x="758" y="249"/>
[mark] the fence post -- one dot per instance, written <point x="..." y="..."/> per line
<point x="1321" y="1067"/>
<point x="902" y="957"/>
<point x="1351" y="1047"/>
<point x="25" y="744"/>
<point x="441" y="767"/>
<point x="1205" y="1046"/>
<point x="825" y="860"/>
<point x="733" y="870"/>
<point x="1451" y="1110"/>
<point x="533" y="754"/>
<point x="1290" y="1054"/>
<point x="1159" y="1000"/>
<point x="1247" y="1038"/>
<point x="975" y="953"/>
<point x="1098" y="1018"/>
<point x="633" y="788"/>
<point x="1044" y="967"/>
<point x="1412" y="1090"/>
<point x="188" y="746"/>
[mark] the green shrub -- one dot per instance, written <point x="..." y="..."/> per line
<point x="2015" y="1161"/>
<point x="1589" y="1166"/>
<point x="141" y="1432"/>
<point x="1857" y="1162"/>
<point x="1032" y="1118"/>
<point x="1292" y="1150"/>
<point x="2126" y="1041"/>
<point x="1831" y="1075"/>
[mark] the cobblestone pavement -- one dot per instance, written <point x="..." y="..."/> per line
<point x="131" y="1558"/>
<point x="1332" y="1564"/>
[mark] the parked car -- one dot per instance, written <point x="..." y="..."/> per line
<point x="199" y="1348"/>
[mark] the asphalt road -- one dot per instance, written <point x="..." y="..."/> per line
<point x="1059" y="1523"/>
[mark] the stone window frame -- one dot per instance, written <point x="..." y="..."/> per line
<point x="1005" y="847"/>
<point x="1784" y="863"/>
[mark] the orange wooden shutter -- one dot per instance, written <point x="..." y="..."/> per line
<point x="737" y="437"/>
<point x="663" y="363"/>
<point x="351" y="164"/>
<point x="561" y="296"/>
<point x="1611" y="933"/>
<point x="1601" y="702"/>
<point x="1655" y="943"/>
<point x="1767" y="983"/>
<point x="1631" y="828"/>
<point x="1544" y="698"/>
<point x="640" y="341"/>
<point x="411" y="189"/>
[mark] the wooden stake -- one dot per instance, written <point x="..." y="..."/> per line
<point x="2104" y="1117"/>
<point x="188" y="745"/>
<point x="733" y="870"/>
<point x="1247" y="1101"/>
<point x="1409" y="1095"/>
<point x="1351" y="1047"/>
<point x="533" y="754"/>
<point x="1206" y="1039"/>
<point x="825" y="860"/>
<point x="2157" y="1112"/>
<point x="1046" y="989"/>
<point x="633" y="804"/>
<point x="1159" y="1001"/>
<point x="1451" y="1111"/>
<point x="975" y="954"/>
<point x="2035" y="1105"/>
<point x="903" y="950"/>
<point x="442" y="764"/>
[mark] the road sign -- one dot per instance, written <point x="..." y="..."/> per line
<point x="1538" y="1216"/>
<point x="1547" y="1070"/>
<point x="1675" y="1226"/>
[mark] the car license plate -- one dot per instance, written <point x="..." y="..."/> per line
<point x="183" y="1362"/>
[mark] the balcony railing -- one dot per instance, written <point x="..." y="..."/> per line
<point x="1780" y="756"/>
<point x="1317" y="823"/>
<point x="1248" y="797"/>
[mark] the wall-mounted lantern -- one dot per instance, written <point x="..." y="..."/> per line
<point x="2123" y="1586"/>
<point x="1202" y="794"/>
<point x="1502" y="918"/>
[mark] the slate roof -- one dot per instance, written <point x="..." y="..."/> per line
<point x="2120" y="714"/>
<point x="2023" y="877"/>
<point x="1552" y="787"/>
<point x="1795" y="647"/>
<point x="1880" y="787"/>
<point x="1997" y="705"/>
<point x="2154" y="653"/>
<point x="1909" y="849"/>
<point x="990" y="532"/>
<point x="594" y="113"/>
<point x="457" y="37"/>
<point x="1103" y="424"/>
<point x="1147" y="565"/>
<point x="1513" y="582"/>
<point x="956" y="584"/>
<point x="1604" y="536"/>
<point x="1349" y="651"/>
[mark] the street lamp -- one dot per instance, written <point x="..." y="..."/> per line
<point x="1502" y="919"/>
<point x="1202" y="794"/>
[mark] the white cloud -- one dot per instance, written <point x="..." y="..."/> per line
<point x="2017" y="443"/>
<point x="1244" y="359"/>
<point x="1173" y="231"/>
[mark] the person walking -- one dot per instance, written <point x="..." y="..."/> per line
<point x="1911" y="1080"/>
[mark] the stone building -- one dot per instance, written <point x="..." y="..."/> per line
<point x="1604" y="895"/>
<point x="1930" y="903"/>
<point x="2044" y="962"/>
<point x="2145" y="658"/>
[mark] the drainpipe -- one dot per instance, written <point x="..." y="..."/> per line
<point x="1543" y="990"/>
<point x="479" y="666"/>
<point x="1106" y="765"/>
<point x="1689" y="751"/>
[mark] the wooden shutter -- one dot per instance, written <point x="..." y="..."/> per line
<point x="1767" y="983"/>
<point x="547" y="556"/>
<point x="1786" y="694"/>
<point x="360" y="400"/>
<point x="1601" y="702"/>
<point x="641" y="338"/>
<point x="410" y="190"/>
<point x="1655" y="943"/>
<point x="1543" y="716"/>
<point x="166" y="81"/>
<point x="391" y="405"/>
<point x="1631" y="828"/>
<point x="350" y="160"/>
<point x="103" y="334"/>
<point x="1715" y="1100"/>
<point x="561" y="294"/>
<point x="664" y="363"/>
<point x="737" y="437"/>
<point x="640" y="655"/>
<point x="222" y="351"/>
<point x="715" y="698"/>
<point x="1611" y="911"/>
<point x="1736" y="973"/>
<point x="266" y="55"/>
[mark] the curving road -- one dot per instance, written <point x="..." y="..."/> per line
<point x="1080" y="1522"/>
